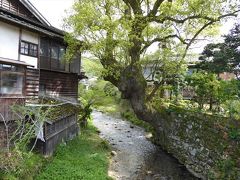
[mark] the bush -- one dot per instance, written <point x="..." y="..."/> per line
<point x="232" y="108"/>
<point x="19" y="165"/>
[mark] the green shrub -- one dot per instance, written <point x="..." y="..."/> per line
<point x="226" y="170"/>
<point x="232" y="108"/>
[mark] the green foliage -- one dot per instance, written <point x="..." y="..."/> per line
<point x="232" y="108"/>
<point x="110" y="90"/>
<point x="119" y="33"/>
<point x="92" y="67"/>
<point x="110" y="22"/>
<point x="234" y="133"/>
<point x="100" y="99"/>
<point x="210" y="90"/>
<point x="85" y="115"/>
<point x="205" y="87"/>
<point x="229" y="90"/>
<point x="19" y="165"/>
<point x="215" y="59"/>
<point x="223" y="57"/>
<point x="85" y="157"/>
<point x="227" y="170"/>
<point x="18" y="161"/>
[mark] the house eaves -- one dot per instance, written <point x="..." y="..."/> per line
<point x="35" y="12"/>
<point x="10" y="61"/>
<point x="24" y="22"/>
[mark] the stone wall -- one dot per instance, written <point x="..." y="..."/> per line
<point x="208" y="145"/>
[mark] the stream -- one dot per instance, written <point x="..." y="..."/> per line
<point x="134" y="156"/>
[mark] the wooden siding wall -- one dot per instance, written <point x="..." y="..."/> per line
<point x="59" y="84"/>
<point x="32" y="83"/>
<point x="9" y="116"/>
<point x="3" y="136"/>
<point x="5" y="107"/>
<point x="61" y="130"/>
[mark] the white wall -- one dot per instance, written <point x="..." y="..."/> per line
<point x="9" y="41"/>
<point x="30" y="36"/>
<point x="29" y="60"/>
<point x="33" y="38"/>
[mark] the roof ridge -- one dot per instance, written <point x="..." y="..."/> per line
<point x="35" y="12"/>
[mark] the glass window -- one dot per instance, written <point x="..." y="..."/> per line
<point x="29" y="49"/>
<point x="33" y="50"/>
<point x="61" y="53"/>
<point x="11" y="80"/>
<point x="44" y="48"/>
<point x="24" y="48"/>
<point x="54" y="52"/>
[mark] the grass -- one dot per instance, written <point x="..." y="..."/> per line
<point x="85" y="157"/>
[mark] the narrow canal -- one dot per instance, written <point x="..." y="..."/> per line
<point x="135" y="157"/>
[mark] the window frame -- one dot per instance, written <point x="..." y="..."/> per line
<point x="29" y="50"/>
<point x="20" y="71"/>
<point x="55" y="63"/>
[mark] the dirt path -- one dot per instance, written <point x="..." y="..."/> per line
<point x="136" y="158"/>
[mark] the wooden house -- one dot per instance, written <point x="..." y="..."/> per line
<point x="32" y="60"/>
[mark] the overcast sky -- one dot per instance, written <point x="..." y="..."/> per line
<point x="53" y="10"/>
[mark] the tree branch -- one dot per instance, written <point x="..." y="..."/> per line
<point x="161" y="20"/>
<point x="157" y="4"/>
<point x="135" y="5"/>
<point x="151" y="95"/>
<point x="158" y="39"/>
<point x="204" y="27"/>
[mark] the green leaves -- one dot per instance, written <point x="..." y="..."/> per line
<point x="121" y="33"/>
<point x="91" y="21"/>
<point x="223" y="57"/>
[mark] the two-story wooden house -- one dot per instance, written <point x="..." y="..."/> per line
<point x="32" y="58"/>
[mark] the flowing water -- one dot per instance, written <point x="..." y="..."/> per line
<point x="135" y="157"/>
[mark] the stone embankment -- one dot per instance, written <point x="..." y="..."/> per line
<point x="208" y="145"/>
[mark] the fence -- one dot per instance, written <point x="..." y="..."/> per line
<point x="56" y="132"/>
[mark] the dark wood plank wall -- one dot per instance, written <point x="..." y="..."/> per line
<point x="3" y="134"/>
<point x="32" y="83"/>
<point x="5" y="107"/>
<point x="59" y="84"/>
<point x="60" y="130"/>
<point x="17" y="8"/>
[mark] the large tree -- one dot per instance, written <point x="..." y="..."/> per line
<point x="120" y="33"/>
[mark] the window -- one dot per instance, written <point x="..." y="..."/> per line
<point x="52" y="55"/>
<point x="44" y="48"/>
<point x="11" y="80"/>
<point x="54" y="52"/>
<point x="29" y="49"/>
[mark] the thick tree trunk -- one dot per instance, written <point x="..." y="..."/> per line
<point x="133" y="87"/>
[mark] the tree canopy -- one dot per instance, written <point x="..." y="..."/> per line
<point x="121" y="32"/>
<point x="223" y="57"/>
